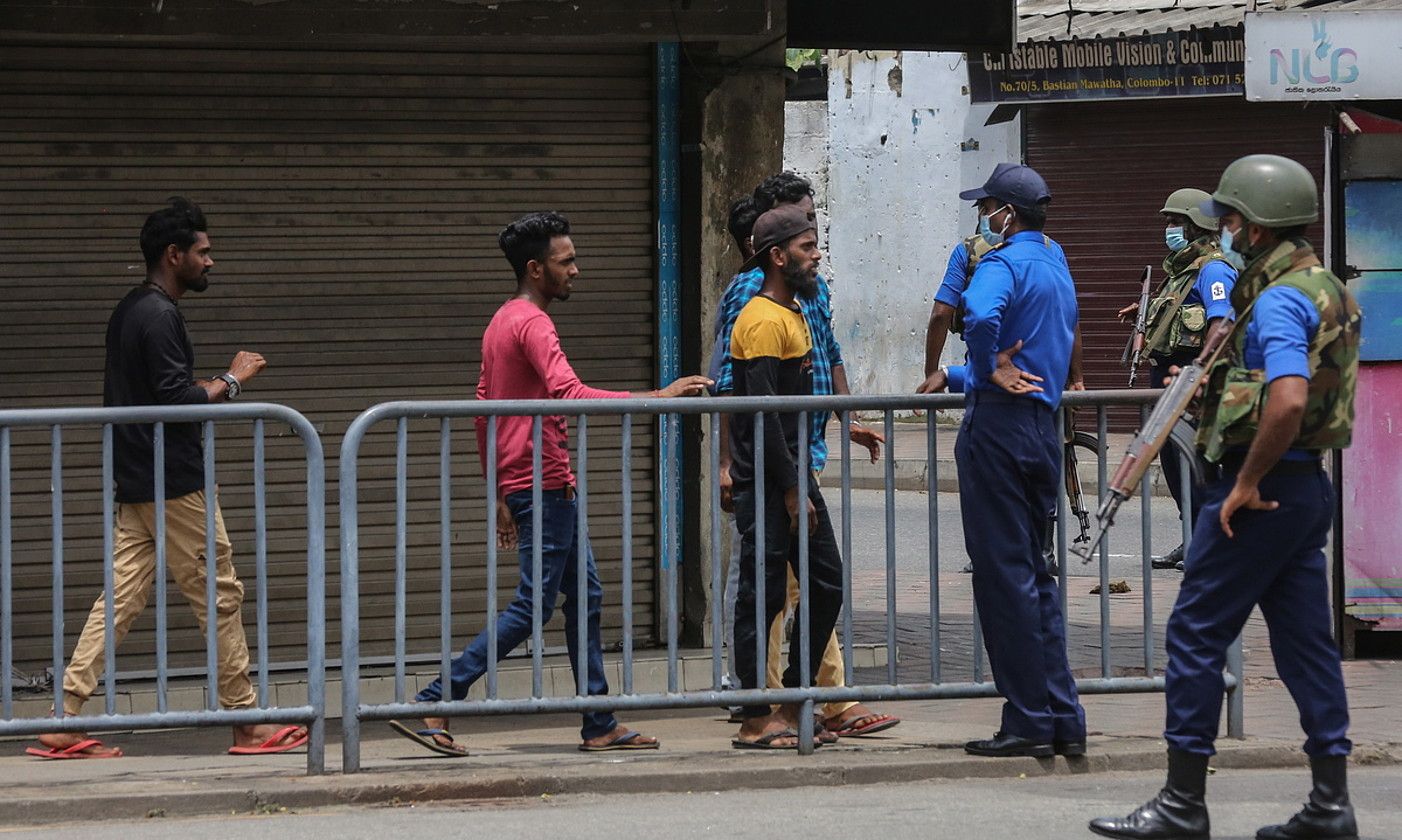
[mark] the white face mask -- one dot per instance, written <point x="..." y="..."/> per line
<point x="986" y="230"/>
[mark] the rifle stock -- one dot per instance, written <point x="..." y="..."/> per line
<point x="1141" y="323"/>
<point x="1155" y="434"/>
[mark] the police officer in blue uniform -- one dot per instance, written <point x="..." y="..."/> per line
<point x="1009" y="454"/>
<point x="1280" y="397"/>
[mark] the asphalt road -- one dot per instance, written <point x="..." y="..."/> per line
<point x="1044" y="808"/>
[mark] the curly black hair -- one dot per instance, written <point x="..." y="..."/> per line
<point x="528" y="238"/>
<point x="175" y="225"/>
<point x="784" y="188"/>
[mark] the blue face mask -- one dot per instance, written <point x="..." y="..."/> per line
<point x="986" y="231"/>
<point x="1234" y="257"/>
<point x="1175" y="240"/>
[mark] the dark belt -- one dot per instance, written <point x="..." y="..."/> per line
<point x="1232" y="463"/>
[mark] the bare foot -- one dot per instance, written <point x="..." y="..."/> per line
<point x="443" y="740"/>
<point x="64" y="740"/>
<point x="860" y="720"/>
<point x="637" y="742"/>
<point x="254" y="736"/>
<point x="786" y="718"/>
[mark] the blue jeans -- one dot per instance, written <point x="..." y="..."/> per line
<point x="559" y="567"/>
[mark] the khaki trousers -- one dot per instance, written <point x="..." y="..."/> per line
<point x="829" y="674"/>
<point x="134" y="575"/>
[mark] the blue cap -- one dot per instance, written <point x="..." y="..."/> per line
<point x="1013" y="183"/>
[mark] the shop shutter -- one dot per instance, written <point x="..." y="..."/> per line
<point x="353" y="198"/>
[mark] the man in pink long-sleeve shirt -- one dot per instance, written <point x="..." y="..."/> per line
<point x="522" y="360"/>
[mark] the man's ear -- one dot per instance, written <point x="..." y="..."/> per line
<point x="172" y="254"/>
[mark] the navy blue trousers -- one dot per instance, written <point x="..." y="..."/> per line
<point x="1009" y="457"/>
<point x="1276" y="561"/>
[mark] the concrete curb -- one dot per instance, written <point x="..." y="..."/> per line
<point x="751" y="771"/>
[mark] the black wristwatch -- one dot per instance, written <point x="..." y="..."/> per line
<point x="234" y="386"/>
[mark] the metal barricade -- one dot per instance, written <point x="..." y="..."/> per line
<point x="669" y="413"/>
<point x="312" y="715"/>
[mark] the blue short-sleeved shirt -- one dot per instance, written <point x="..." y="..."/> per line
<point x="956" y="273"/>
<point x="1021" y="291"/>
<point x="1283" y="323"/>
<point x="1213" y="289"/>
<point x="817" y="312"/>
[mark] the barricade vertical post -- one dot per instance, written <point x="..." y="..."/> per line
<point x="260" y="550"/>
<point x="978" y="645"/>
<point x="1102" y="480"/>
<point x="581" y="569"/>
<point x="891" y="651"/>
<point x="626" y="487"/>
<point x="844" y="422"/>
<point x="1236" y="695"/>
<point x="537" y="563"/>
<point x="445" y="556"/>
<point x="109" y="641"/>
<point x="670" y="556"/>
<point x="805" y="618"/>
<point x="162" y="682"/>
<point x="1146" y="527"/>
<point x="56" y="483"/>
<point x="761" y="555"/>
<point x="717" y="587"/>
<point x="350" y="599"/>
<point x="7" y="652"/>
<point x="211" y="571"/>
<point x="316" y="596"/>
<point x="1185" y="493"/>
<point x="401" y="551"/>
<point x="932" y="487"/>
<point x="492" y="501"/>
<point x="1063" y="522"/>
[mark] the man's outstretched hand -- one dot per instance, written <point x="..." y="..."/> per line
<point x="687" y="386"/>
<point x="1012" y="378"/>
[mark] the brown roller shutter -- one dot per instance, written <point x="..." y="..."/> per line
<point x="1110" y="165"/>
<point x="353" y="198"/>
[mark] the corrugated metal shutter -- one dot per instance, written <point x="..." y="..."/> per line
<point x="353" y="199"/>
<point x="1110" y="165"/>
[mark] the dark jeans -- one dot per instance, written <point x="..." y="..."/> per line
<point x="781" y="552"/>
<point x="1009" y="454"/>
<point x="560" y="568"/>
<point x="1275" y="560"/>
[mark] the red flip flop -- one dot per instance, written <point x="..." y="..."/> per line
<point x="74" y="752"/>
<point x="273" y="744"/>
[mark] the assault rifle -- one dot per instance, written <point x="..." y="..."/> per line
<point x="1158" y="430"/>
<point x="1075" y="499"/>
<point x="1134" y="350"/>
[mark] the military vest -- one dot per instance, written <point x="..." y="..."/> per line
<point x="977" y="248"/>
<point x="1235" y="395"/>
<point x="1172" y="327"/>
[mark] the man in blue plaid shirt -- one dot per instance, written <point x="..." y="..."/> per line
<point x="829" y="377"/>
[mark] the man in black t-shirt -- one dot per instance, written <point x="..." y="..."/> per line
<point x="151" y="361"/>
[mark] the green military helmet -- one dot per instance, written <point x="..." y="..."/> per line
<point x="1188" y="202"/>
<point x="1270" y="190"/>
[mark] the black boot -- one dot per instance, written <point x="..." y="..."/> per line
<point x="1328" y="813"/>
<point x="1177" y="813"/>
<point x="1171" y="560"/>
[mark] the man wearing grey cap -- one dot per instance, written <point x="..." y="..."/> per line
<point x="771" y="353"/>
<point x="1020" y="299"/>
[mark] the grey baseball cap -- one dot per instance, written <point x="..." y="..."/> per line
<point x="775" y="227"/>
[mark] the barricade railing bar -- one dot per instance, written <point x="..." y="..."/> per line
<point x="669" y="414"/>
<point x="312" y="714"/>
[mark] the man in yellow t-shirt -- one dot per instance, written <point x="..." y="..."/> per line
<point x="771" y="351"/>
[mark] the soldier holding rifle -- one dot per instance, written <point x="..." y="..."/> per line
<point x="1279" y="393"/>
<point x="1196" y="292"/>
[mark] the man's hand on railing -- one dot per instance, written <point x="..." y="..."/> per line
<point x="1012" y="378"/>
<point x="687" y="386"/>
<point x="506" y="527"/>
<point x="868" y="437"/>
<point x="791" y="505"/>
<point x="934" y="383"/>
<point x="727" y="489"/>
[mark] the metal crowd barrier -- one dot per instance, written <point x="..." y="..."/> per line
<point x="668" y="413"/>
<point x="312" y="715"/>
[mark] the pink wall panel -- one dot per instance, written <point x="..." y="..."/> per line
<point x="1372" y="499"/>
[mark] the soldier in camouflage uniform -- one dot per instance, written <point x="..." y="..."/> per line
<point x="1279" y="398"/>
<point x="1195" y="294"/>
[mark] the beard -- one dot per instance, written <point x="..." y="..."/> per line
<point x="802" y="280"/>
<point x="198" y="283"/>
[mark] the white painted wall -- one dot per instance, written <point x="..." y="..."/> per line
<point x="890" y="182"/>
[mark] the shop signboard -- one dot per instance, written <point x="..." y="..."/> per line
<point x="1323" y="55"/>
<point x="1197" y="62"/>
